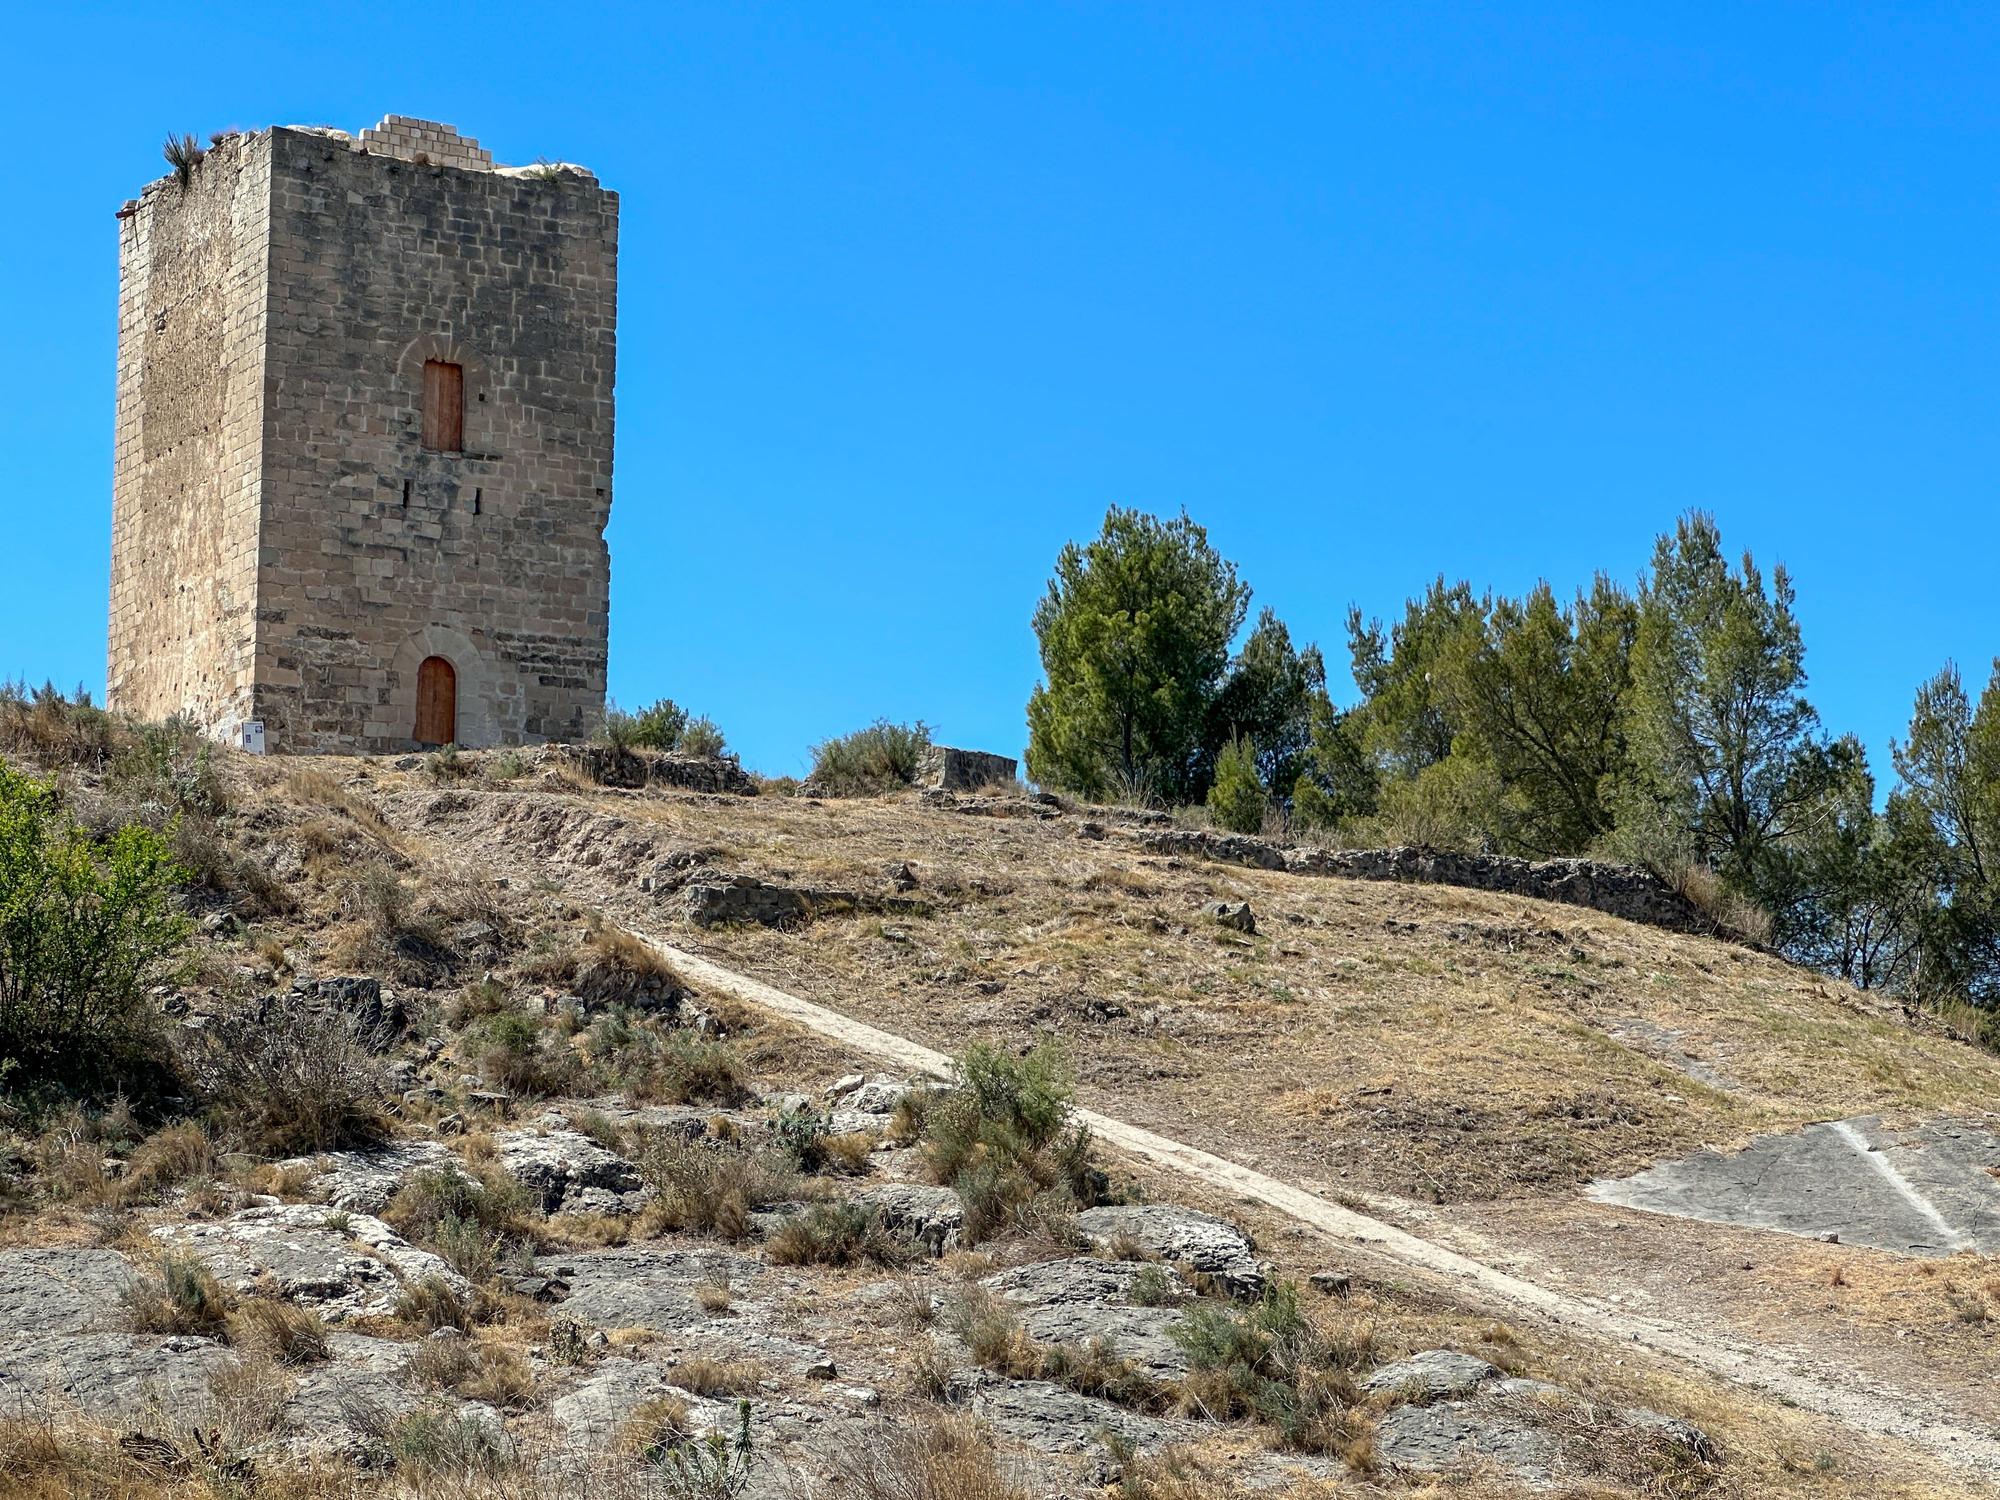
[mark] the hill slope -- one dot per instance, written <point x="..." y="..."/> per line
<point x="1458" y="1064"/>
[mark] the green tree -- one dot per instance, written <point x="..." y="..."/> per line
<point x="1727" y="749"/>
<point x="1238" y="799"/>
<point x="1948" y="812"/>
<point x="1269" y="698"/>
<point x="1335" y="780"/>
<point x="85" y="927"/>
<point x="1405" y="721"/>
<point x="1539" y="695"/>
<point x="1134" y="632"/>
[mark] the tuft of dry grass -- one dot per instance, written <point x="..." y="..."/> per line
<point x="177" y="1294"/>
<point x="285" y="1332"/>
<point x="703" y="1376"/>
<point x="945" y="1459"/>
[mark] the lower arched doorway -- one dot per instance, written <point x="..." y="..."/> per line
<point x="437" y="703"/>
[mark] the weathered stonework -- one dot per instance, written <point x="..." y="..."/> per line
<point x="285" y="548"/>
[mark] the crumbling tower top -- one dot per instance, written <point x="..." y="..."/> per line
<point x="426" y="142"/>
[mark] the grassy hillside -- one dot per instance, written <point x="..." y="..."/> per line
<point x="1457" y="1061"/>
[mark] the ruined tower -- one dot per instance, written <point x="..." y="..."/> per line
<point x="364" y="434"/>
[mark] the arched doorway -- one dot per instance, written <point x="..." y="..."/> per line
<point x="437" y="702"/>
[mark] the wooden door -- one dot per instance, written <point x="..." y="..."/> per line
<point x="444" y="406"/>
<point x="437" y="702"/>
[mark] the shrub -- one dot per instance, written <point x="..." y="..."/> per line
<point x="1271" y="1362"/>
<point x="1313" y="811"/>
<point x="183" y="153"/>
<point x="656" y="1064"/>
<point x="1003" y="1138"/>
<point x="289" y="1080"/>
<point x="85" y="928"/>
<point x="430" y="1442"/>
<point x="1237" y="798"/>
<point x="834" y="1234"/>
<point x="711" y="1467"/>
<point x="994" y="1335"/>
<point x="475" y="1368"/>
<point x="53" y="730"/>
<point x="524" y="1057"/>
<point x="703" y="737"/>
<point x="609" y="967"/>
<point x="431" y="1304"/>
<point x="715" y="1377"/>
<point x="662" y="725"/>
<point x="475" y="1223"/>
<point x="884" y="757"/>
<point x="176" y="1154"/>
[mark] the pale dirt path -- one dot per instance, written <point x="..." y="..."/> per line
<point x="1866" y="1407"/>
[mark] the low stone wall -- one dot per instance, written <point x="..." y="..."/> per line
<point x="611" y="765"/>
<point x="1617" y="890"/>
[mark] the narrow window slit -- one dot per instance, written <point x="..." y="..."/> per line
<point x="475" y="500"/>
<point x="406" y="494"/>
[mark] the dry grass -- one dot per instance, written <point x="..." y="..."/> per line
<point x="945" y="1459"/>
<point x="284" y="1332"/>
<point x="177" y="1294"/>
<point x="703" y="1376"/>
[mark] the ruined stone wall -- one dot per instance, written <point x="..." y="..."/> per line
<point x="377" y="552"/>
<point x="1618" y="890"/>
<point x="185" y="486"/>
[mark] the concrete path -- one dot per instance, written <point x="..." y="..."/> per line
<point x="1847" y="1397"/>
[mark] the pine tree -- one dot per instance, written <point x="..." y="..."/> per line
<point x="1238" y="799"/>
<point x="1135" y="632"/>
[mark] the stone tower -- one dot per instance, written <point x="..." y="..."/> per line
<point x="363" y="454"/>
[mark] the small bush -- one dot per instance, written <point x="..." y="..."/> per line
<point x="183" y="153"/>
<point x="176" y="1154"/>
<point x="1719" y="901"/>
<point x="429" y="1442"/>
<point x="834" y="1234"/>
<point x="475" y="1223"/>
<point x="703" y="737"/>
<point x="53" y="730"/>
<point x="289" y="1080"/>
<point x="653" y="1063"/>
<point x="996" y="1339"/>
<point x="1003" y="1139"/>
<point x="703" y="1376"/>
<point x="177" y="1294"/>
<point x="610" y="967"/>
<point x="1153" y="1287"/>
<point x="884" y="757"/>
<point x="522" y="1056"/>
<point x="711" y="1467"/>
<point x="85" y="929"/>
<point x="1237" y="799"/>
<point x="1273" y="1363"/>
<point x="662" y="725"/>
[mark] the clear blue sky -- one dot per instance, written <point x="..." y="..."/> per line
<point x="911" y="293"/>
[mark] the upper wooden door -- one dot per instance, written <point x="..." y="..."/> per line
<point x="444" y="406"/>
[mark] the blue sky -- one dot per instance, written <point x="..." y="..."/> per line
<point x="910" y="294"/>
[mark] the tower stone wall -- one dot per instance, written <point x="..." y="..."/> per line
<point x="326" y="551"/>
